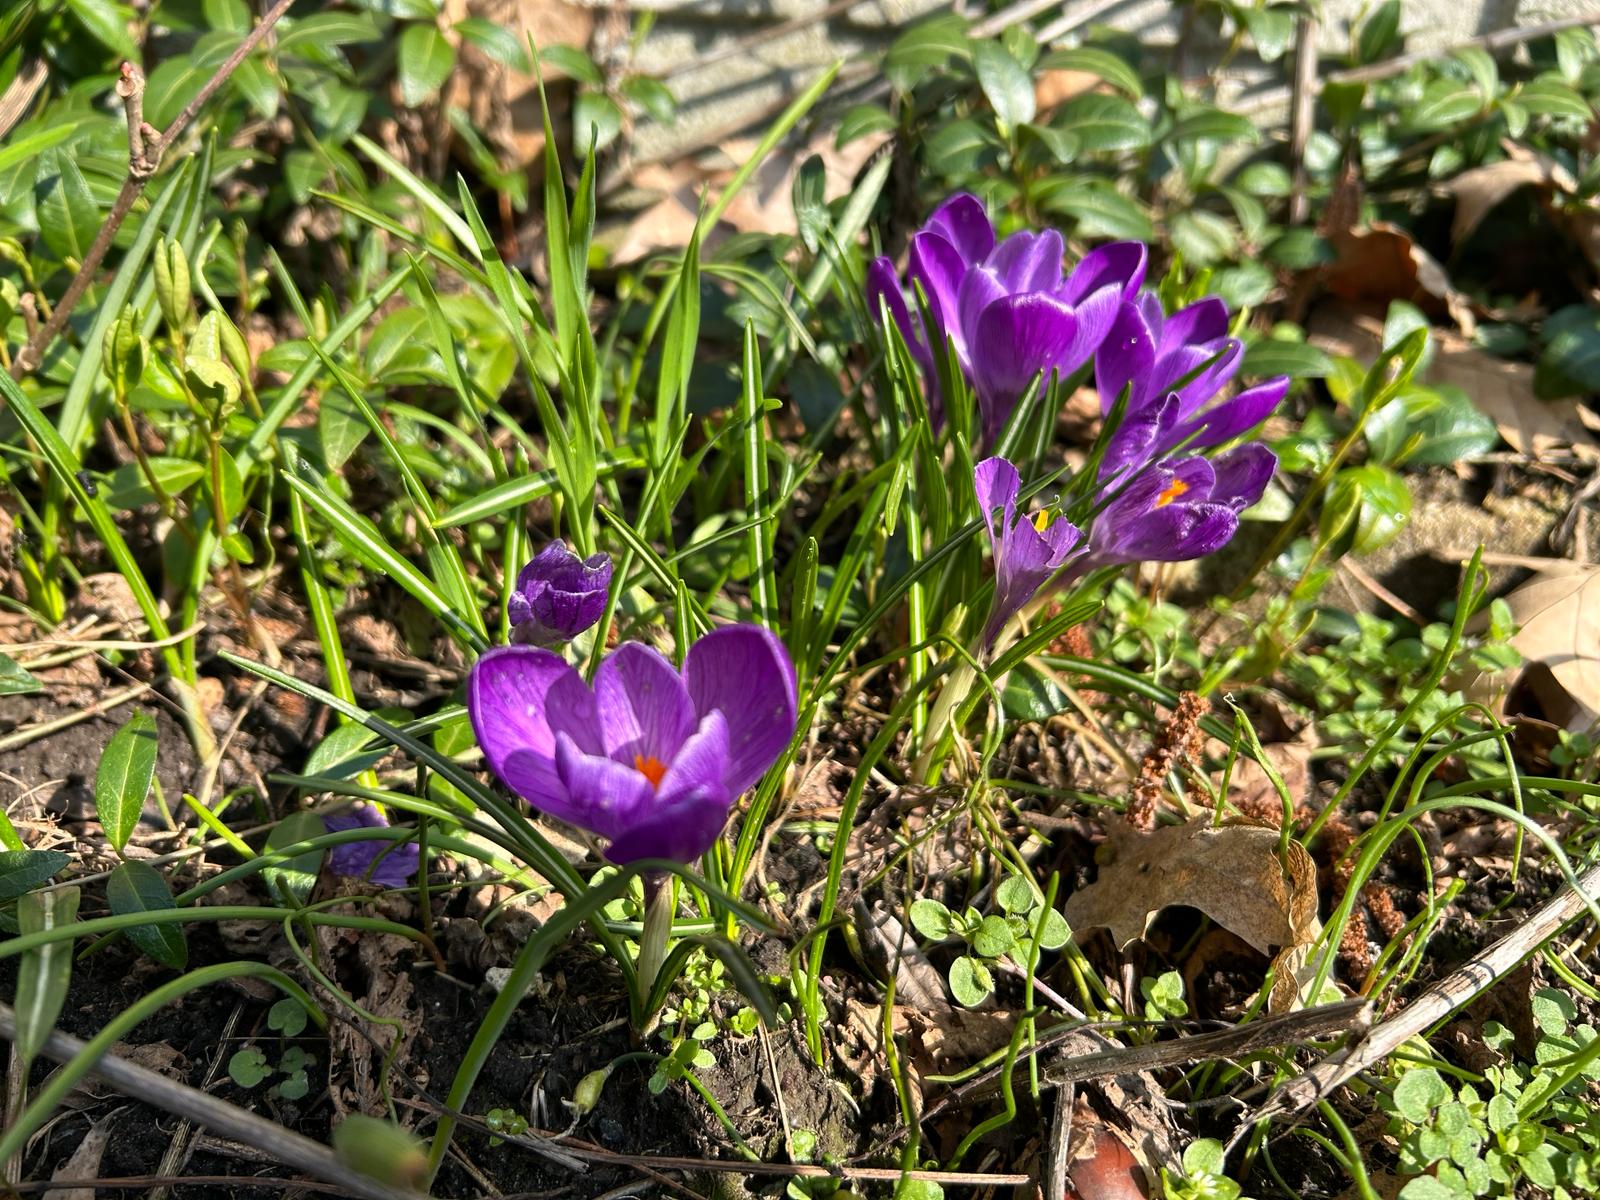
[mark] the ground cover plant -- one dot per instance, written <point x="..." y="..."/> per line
<point x="1019" y="676"/>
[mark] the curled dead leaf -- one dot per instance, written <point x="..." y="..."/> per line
<point x="1382" y="263"/>
<point x="1477" y="191"/>
<point x="1558" y="636"/>
<point x="1232" y="873"/>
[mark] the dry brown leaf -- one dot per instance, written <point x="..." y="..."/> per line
<point x="1231" y="873"/>
<point x="83" y="1162"/>
<point x="1102" y="1166"/>
<point x="1477" y="191"/>
<point x="1055" y="87"/>
<point x="1382" y="263"/>
<point x="1558" y="636"/>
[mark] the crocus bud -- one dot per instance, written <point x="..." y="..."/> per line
<point x="558" y="595"/>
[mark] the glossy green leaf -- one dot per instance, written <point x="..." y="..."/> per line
<point x="137" y="887"/>
<point x="68" y="216"/>
<point x="425" y="60"/>
<point x="23" y="870"/>
<point x="1103" y="123"/>
<point x="122" y="782"/>
<point x="127" y="487"/>
<point x="1006" y="85"/>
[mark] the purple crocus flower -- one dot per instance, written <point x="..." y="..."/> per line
<point x="393" y="870"/>
<point x="649" y="758"/>
<point x="558" y="595"/>
<point x="1173" y="367"/>
<point x="1180" y="509"/>
<point x="1005" y="306"/>
<point x="1026" y="552"/>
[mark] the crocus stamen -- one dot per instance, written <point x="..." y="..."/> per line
<point x="1041" y="520"/>
<point x="1173" y="490"/>
<point x="651" y="768"/>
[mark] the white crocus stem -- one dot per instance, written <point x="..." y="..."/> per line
<point x="954" y="693"/>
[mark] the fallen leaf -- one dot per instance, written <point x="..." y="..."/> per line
<point x="887" y="947"/>
<point x="1231" y="873"/>
<point x="84" y="1162"/>
<point x="1382" y="263"/>
<point x="1058" y="85"/>
<point x="1477" y="191"/>
<point x="1558" y="636"/>
<point x="1102" y="1166"/>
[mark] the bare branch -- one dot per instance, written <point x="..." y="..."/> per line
<point x="145" y="148"/>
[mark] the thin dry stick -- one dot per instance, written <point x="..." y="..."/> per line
<point x="1432" y="1006"/>
<point x="1302" y="116"/>
<point x="145" y="148"/>
<point x="284" y="1146"/>
<point x="1501" y="39"/>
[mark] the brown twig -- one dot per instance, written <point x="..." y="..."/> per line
<point x="145" y="148"/>
<point x="1439" y="1001"/>
<point x="1302" y="116"/>
<point x="1501" y="39"/>
<point x="151" y="1087"/>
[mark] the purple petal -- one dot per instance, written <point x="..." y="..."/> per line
<point x="644" y="708"/>
<point x="883" y="282"/>
<point x="680" y="832"/>
<point x="1211" y="368"/>
<point x="1141" y="435"/>
<point x="1017" y="338"/>
<point x="936" y="265"/>
<point x="744" y="672"/>
<point x="605" y="797"/>
<point x="507" y="701"/>
<point x="1127" y="354"/>
<point x="1175" y="533"/>
<point x="396" y="861"/>
<point x="1028" y="261"/>
<point x="1227" y="420"/>
<point x="1203" y="321"/>
<point x="996" y="482"/>
<point x="1242" y="475"/>
<point x="1119" y="264"/>
<point x="702" y="761"/>
<point x="965" y="225"/>
<point x="979" y="289"/>
<point x="1028" y="558"/>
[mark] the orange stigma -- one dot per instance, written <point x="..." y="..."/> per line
<point x="1174" y="489"/>
<point x="651" y="768"/>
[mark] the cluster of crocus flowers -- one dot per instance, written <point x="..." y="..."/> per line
<point x="1011" y="315"/>
<point x="558" y="595"/>
<point x="649" y="757"/>
<point x="1005" y="306"/>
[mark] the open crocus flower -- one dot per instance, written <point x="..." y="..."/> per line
<point x="1005" y="306"/>
<point x="393" y="870"/>
<point x="650" y="759"/>
<point x="1173" y="367"/>
<point x="558" y="595"/>
<point x="1181" y="509"/>
<point x="1027" y="552"/>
